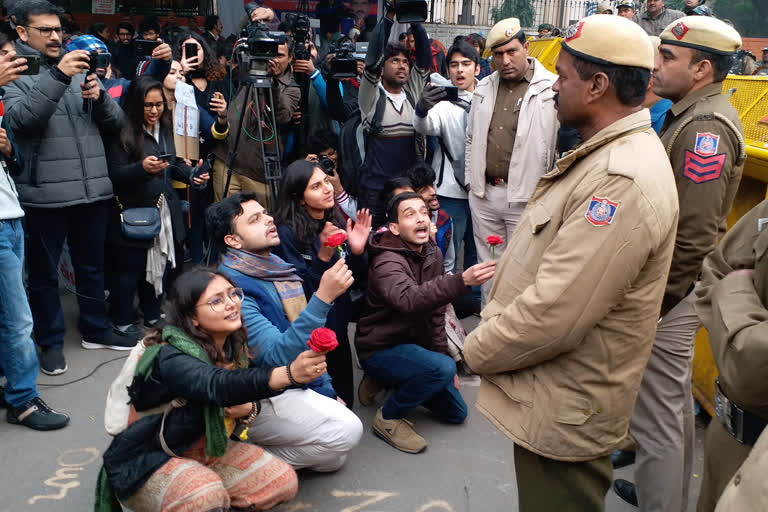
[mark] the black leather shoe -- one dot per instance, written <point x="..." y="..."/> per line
<point x="625" y="490"/>
<point x="620" y="458"/>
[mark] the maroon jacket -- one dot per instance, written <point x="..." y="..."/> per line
<point x="406" y="298"/>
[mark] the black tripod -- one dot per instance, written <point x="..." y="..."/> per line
<point x="259" y="90"/>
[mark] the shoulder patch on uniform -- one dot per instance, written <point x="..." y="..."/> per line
<point x="601" y="211"/>
<point x="706" y="144"/>
<point x="701" y="169"/>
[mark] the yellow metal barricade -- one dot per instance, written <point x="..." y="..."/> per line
<point x="749" y="95"/>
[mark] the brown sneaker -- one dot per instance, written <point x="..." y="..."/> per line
<point x="399" y="433"/>
<point x="367" y="391"/>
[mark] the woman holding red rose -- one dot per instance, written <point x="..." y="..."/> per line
<point x="310" y="226"/>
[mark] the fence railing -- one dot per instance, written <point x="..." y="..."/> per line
<point x="560" y="13"/>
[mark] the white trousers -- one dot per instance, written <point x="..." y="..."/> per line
<point x="493" y="215"/>
<point x="306" y="430"/>
<point x="663" y="422"/>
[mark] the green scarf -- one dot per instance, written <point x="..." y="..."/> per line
<point x="215" y="431"/>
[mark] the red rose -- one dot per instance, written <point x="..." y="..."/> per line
<point x="322" y="339"/>
<point x="336" y="240"/>
<point x="494" y="240"/>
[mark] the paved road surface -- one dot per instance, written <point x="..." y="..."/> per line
<point x="465" y="468"/>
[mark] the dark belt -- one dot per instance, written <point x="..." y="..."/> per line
<point x="744" y="426"/>
<point x="495" y="181"/>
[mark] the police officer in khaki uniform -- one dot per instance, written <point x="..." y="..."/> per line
<point x="746" y="490"/>
<point x="570" y="318"/>
<point x="731" y="304"/>
<point x="704" y="140"/>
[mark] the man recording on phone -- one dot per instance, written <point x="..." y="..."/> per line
<point x="58" y="118"/>
<point x="439" y="115"/>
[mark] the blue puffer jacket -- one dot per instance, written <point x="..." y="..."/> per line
<point x="61" y="144"/>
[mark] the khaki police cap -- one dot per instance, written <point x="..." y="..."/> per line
<point x="702" y="33"/>
<point x="503" y="32"/>
<point x="604" y="7"/>
<point x="610" y="40"/>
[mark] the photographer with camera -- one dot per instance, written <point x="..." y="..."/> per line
<point x="18" y="361"/>
<point x="392" y="145"/>
<point x="58" y="118"/>
<point x="248" y="167"/>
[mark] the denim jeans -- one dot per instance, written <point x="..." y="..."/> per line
<point x="85" y="228"/>
<point x="458" y="209"/>
<point x="461" y="215"/>
<point x="18" y="359"/>
<point x="419" y="377"/>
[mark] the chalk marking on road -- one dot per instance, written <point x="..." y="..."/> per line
<point x="376" y="497"/>
<point x="296" y="507"/>
<point x="61" y="474"/>
<point x="436" y="504"/>
<point x="93" y="454"/>
<point x="66" y="477"/>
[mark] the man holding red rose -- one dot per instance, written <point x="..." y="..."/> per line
<point x="305" y="426"/>
<point x="401" y="340"/>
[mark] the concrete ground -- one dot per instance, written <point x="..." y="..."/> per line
<point x="465" y="468"/>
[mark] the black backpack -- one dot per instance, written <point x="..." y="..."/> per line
<point x="354" y="142"/>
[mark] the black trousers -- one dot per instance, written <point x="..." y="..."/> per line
<point x="130" y="265"/>
<point x="340" y="369"/>
<point x="85" y="229"/>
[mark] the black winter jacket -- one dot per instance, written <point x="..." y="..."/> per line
<point x="134" y="187"/>
<point x="135" y="454"/>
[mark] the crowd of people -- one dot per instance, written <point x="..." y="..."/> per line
<point x="573" y="212"/>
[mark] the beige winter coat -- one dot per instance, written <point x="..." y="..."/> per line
<point x="534" y="151"/>
<point x="572" y="314"/>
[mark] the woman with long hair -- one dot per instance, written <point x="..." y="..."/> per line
<point x="207" y="77"/>
<point x="142" y="164"/>
<point x="196" y="370"/>
<point x="306" y="217"/>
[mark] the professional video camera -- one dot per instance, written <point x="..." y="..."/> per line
<point x="257" y="45"/>
<point x="344" y="62"/>
<point x="409" y="11"/>
<point x="299" y="24"/>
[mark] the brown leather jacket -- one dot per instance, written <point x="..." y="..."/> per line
<point x="406" y="298"/>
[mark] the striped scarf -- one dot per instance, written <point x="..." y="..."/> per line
<point x="274" y="269"/>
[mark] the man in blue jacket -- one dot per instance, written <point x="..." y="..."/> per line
<point x="305" y="426"/>
<point x="58" y="118"/>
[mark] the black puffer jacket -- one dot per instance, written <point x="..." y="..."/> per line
<point x="61" y="144"/>
<point x="135" y="454"/>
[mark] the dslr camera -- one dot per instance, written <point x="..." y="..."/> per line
<point x="344" y="62"/>
<point x="326" y="164"/>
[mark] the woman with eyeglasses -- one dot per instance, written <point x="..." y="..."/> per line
<point x="199" y="362"/>
<point x="142" y="164"/>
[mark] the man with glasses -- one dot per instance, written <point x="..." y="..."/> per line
<point x="308" y="427"/>
<point x="58" y="118"/>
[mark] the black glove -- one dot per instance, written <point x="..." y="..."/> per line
<point x="430" y="96"/>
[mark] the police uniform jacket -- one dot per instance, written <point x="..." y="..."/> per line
<point x="746" y="490"/>
<point x="571" y="317"/>
<point x="705" y="143"/>
<point x="732" y="308"/>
